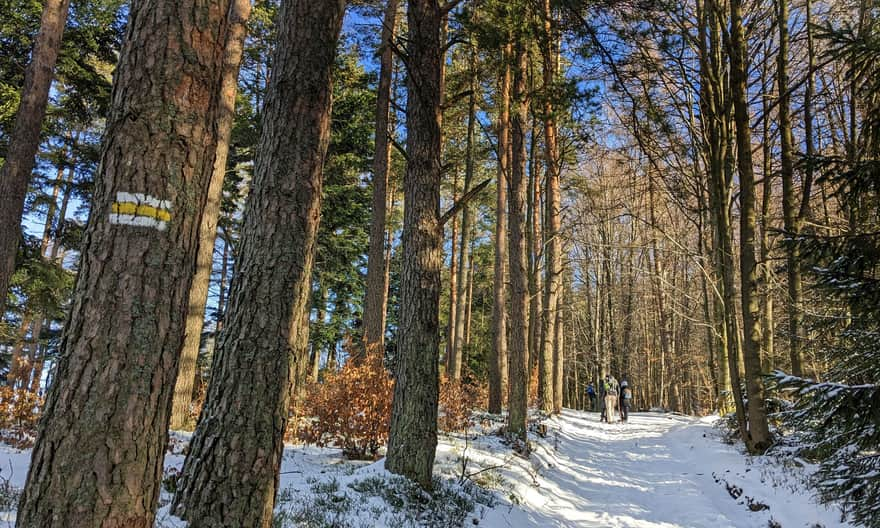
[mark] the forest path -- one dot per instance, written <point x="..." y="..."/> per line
<point x="656" y="471"/>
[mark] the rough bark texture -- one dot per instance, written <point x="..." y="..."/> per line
<point x="498" y="362"/>
<point x="518" y="349"/>
<point x="375" y="297"/>
<point x="757" y="436"/>
<point x="230" y="476"/>
<point x="20" y="158"/>
<point x="413" y="437"/>
<point x="99" y="451"/>
<point x="198" y="293"/>
<point x="789" y="201"/>
<point x="553" y="243"/>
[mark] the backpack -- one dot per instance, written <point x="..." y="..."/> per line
<point x="611" y="387"/>
<point x="627" y="394"/>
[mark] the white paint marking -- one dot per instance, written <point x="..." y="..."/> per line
<point x="134" y="220"/>
<point x="141" y="198"/>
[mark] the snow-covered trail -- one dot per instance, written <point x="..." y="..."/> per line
<point x="656" y="471"/>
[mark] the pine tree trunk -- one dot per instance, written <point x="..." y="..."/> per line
<point x="789" y="205"/>
<point x="534" y="253"/>
<point x="553" y="282"/>
<point x="757" y="437"/>
<point x="198" y="293"/>
<point x="413" y="435"/>
<point x="230" y="476"/>
<point x="15" y="174"/>
<point x="559" y="359"/>
<point x="99" y="451"/>
<point x="464" y="264"/>
<point x="518" y="345"/>
<point x="498" y="362"/>
<point x="453" y="285"/>
<point x="375" y="297"/>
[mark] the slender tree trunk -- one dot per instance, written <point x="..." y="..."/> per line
<point x="198" y="293"/>
<point x="559" y="359"/>
<point x="518" y="346"/>
<point x="757" y="437"/>
<point x="498" y="363"/>
<point x="101" y="443"/>
<point x="464" y="265"/>
<point x="453" y="286"/>
<point x="534" y="252"/>
<point x="553" y="244"/>
<point x="261" y="356"/>
<point x="221" y="295"/>
<point x="15" y="174"/>
<point x="413" y="436"/>
<point x="375" y="297"/>
<point x="767" y="355"/>
<point x="714" y="101"/>
<point x="789" y="207"/>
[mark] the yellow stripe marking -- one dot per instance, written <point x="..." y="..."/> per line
<point x="145" y="210"/>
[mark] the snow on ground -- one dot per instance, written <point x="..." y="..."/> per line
<point x="657" y="471"/>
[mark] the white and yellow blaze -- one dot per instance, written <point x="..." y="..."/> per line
<point x="143" y="210"/>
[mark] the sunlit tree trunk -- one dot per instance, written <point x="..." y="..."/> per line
<point x="261" y="356"/>
<point x="553" y="244"/>
<point x="498" y="361"/>
<point x="198" y="293"/>
<point x="99" y="453"/>
<point x="757" y="435"/>
<point x="413" y="435"/>
<point x="15" y="174"/>
<point x="376" y="295"/>
<point x="518" y="346"/>
<point x="789" y="205"/>
<point x="464" y="264"/>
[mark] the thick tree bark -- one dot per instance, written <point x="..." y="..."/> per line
<point x="553" y="282"/>
<point x="15" y="174"/>
<point x="413" y="436"/>
<point x="376" y="294"/>
<point x="99" y="451"/>
<point x="198" y="293"/>
<point x="518" y="352"/>
<point x="498" y="379"/>
<point x="261" y="356"/>
<point x="789" y="202"/>
<point x="757" y="436"/>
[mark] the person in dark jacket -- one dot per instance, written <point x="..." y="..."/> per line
<point x="625" y="400"/>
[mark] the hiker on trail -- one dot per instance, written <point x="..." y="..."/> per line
<point x="625" y="399"/>
<point x="611" y="390"/>
<point x="591" y="392"/>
